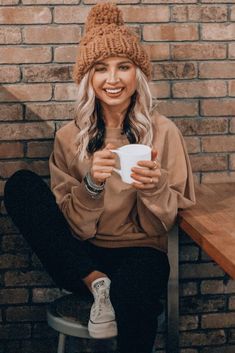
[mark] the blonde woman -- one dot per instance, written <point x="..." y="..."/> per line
<point x="95" y="234"/>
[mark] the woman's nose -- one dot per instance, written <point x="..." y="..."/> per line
<point x="112" y="76"/>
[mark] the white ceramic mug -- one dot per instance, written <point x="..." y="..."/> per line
<point x="129" y="156"/>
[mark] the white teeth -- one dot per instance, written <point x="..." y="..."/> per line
<point x="117" y="90"/>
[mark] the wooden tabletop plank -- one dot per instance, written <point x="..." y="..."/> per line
<point x="211" y="223"/>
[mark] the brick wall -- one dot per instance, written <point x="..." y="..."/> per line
<point x="191" y="44"/>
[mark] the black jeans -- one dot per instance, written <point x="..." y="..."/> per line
<point x="138" y="275"/>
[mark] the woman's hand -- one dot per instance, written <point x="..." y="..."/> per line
<point x="102" y="164"/>
<point x="147" y="177"/>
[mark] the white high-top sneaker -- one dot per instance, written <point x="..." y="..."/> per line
<point x="102" y="322"/>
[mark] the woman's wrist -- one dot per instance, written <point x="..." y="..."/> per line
<point x="92" y="188"/>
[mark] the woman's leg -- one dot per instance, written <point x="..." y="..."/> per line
<point x="136" y="287"/>
<point x="33" y="209"/>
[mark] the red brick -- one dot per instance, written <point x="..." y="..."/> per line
<point x="31" y="278"/>
<point x="200" y="270"/>
<point x="158" y="51"/>
<point x="2" y="186"/>
<point x="146" y="13"/>
<point x="174" y="108"/>
<point x="203" y="338"/>
<point x="202" y="126"/>
<point x="198" y="51"/>
<point x="222" y="349"/>
<point x="118" y="1"/>
<point x="15" y="331"/>
<point x="167" y="1"/>
<point x="170" y="32"/>
<point x="174" y="70"/>
<point x="65" y="91"/>
<point x="50" y="111"/>
<point x="66" y="53"/>
<point x="218" y="31"/>
<point x="9" y="261"/>
<point x="50" y="2"/>
<point x="11" y="150"/>
<point x="231" y="50"/>
<point x="232" y="125"/>
<point x="13" y="296"/>
<point x="231" y="88"/>
<point x="47" y="73"/>
<point x="208" y="163"/>
<point x="211" y="13"/>
<point x="25" y="15"/>
<point x="10" y="35"/>
<point x="218" y="143"/>
<point x="199" y="89"/>
<point x="26" y="313"/>
<point x="217" y="69"/>
<point x="232" y="303"/>
<point x="45" y="295"/>
<point x="24" y="55"/>
<point x="8" y="168"/>
<point x="70" y="14"/>
<point x="188" y="322"/>
<point x="9" y="2"/>
<point x="232" y="161"/>
<point x="232" y="13"/>
<point x="215" y="107"/>
<point x="26" y="92"/>
<point x="218" y="1"/>
<point x="26" y="131"/>
<point x="219" y="177"/>
<point x="39" y="149"/>
<point x="193" y="144"/>
<point x="10" y="112"/>
<point x="50" y="35"/>
<point x="220" y="320"/>
<point x="9" y="74"/>
<point x="160" y="89"/>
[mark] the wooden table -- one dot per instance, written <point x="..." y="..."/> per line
<point x="211" y="223"/>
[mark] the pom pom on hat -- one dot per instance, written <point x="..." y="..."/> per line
<point x="106" y="35"/>
<point x="104" y="14"/>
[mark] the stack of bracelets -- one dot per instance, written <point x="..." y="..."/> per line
<point x="93" y="189"/>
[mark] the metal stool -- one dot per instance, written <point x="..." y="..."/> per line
<point x="69" y="315"/>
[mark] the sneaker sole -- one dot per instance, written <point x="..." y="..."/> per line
<point x="102" y="330"/>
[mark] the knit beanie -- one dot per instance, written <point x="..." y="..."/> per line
<point x="106" y="35"/>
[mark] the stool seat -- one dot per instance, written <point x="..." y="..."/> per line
<point x="70" y="315"/>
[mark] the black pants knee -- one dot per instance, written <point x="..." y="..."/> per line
<point x="33" y="209"/>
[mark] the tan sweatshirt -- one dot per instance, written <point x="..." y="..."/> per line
<point x="123" y="216"/>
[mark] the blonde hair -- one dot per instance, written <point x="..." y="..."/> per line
<point x="86" y="115"/>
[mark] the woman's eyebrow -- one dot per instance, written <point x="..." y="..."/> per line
<point x="121" y="62"/>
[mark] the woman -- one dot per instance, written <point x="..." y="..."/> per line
<point x="101" y="235"/>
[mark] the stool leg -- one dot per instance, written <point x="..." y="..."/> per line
<point x="61" y="343"/>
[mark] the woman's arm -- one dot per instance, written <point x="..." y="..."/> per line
<point x="175" y="187"/>
<point x="79" y="208"/>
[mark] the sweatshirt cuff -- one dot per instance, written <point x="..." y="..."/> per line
<point x="86" y="199"/>
<point x="163" y="180"/>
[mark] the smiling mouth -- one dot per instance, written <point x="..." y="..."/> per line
<point x="113" y="90"/>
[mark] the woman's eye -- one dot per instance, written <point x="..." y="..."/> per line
<point x="100" y="69"/>
<point x="124" y="67"/>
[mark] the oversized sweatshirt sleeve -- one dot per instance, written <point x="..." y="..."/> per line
<point x="79" y="208"/>
<point x="158" y="208"/>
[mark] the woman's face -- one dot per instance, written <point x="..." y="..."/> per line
<point x="114" y="81"/>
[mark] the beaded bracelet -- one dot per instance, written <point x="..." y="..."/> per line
<point x="93" y="189"/>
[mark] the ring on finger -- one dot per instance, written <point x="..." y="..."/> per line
<point x="156" y="165"/>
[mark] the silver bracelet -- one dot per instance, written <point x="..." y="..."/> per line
<point x="92" y="185"/>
